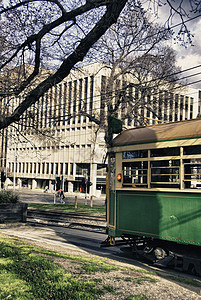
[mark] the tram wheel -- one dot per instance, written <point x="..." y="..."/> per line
<point x="159" y="253"/>
<point x="191" y="269"/>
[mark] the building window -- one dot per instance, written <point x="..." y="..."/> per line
<point x="85" y="96"/>
<point x="91" y="94"/>
<point x="56" y="168"/>
<point x="181" y="107"/>
<point x="71" y="168"/>
<point x="66" y="168"/>
<point x="59" y="108"/>
<point x="27" y="167"/>
<point x="78" y="170"/>
<point x="61" y="168"/>
<point x="74" y="100"/>
<point x="80" y="99"/>
<point x="52" y="168"/>
<point x="47" y="168"/>
<point x="191" y="108"/>
<point x="69" y="99"/>
<point x="43" y="168"/>
<point x="64" y="104"/>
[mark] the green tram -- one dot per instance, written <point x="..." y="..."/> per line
<point x="154" y="188"/>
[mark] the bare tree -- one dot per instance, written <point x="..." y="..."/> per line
<point x="55" y="33"/>
<point x="33" y="31"/>
<point x="139" y="67"/>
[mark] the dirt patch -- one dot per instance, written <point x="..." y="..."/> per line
<point x="120" y="282"/>
<point x="125" y="281"/>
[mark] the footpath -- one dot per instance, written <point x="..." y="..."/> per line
<point x="39" y="196"/>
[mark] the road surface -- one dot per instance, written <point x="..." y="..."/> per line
<point x="39" y="196"/>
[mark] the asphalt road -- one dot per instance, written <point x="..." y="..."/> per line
<point x="38" y="196"/>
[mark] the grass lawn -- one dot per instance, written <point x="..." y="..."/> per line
<point x="70" y="207"/>
<point x="25" y="273"/>
<point x="28" y="272"/>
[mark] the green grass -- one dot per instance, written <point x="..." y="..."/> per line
<point x="29" y="272"/>
<point x="70" y="207"/>
<point x="25" y="274"/>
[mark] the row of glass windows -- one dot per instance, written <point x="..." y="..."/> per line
<point x="163" y="173"/>
<point x="58" y="105"/>
<point x="52" y="168"/>
<point x="52" y="147"/>
<point x="166" y="106"/>
<point x="171" y="151"/>
<point x="41" y="168"/>
<point x="66" y="129"/>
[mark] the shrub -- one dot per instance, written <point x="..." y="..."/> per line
<point x="8" y="197"/>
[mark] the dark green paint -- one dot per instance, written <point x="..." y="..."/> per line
<point x="169" y="216"/>
<point x="111" y="208"/>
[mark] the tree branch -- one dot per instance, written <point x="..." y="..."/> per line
<point x="113" y="10"/>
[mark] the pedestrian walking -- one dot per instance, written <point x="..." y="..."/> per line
<point x="61" y="196"/>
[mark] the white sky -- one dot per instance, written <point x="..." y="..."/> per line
<point x="191" y="55"/>
<point x="188" y="56"/>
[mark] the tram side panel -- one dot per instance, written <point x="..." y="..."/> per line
<point x="161" y="215"/>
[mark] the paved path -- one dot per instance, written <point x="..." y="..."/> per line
<point x="38" y="196"/>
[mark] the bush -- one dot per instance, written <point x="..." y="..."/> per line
<point x="8" y="197"/>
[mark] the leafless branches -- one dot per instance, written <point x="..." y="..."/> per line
<point x="59" y="34"/>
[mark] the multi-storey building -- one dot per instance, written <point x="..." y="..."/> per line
<point x="57" y="139"/>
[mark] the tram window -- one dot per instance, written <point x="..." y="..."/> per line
<point x="188" y="150"/>
<point x="135" y="174"/>
<point x="165" y="173"/>
<point x="192" y="173"/>
<point x="135" y="154"/>
<point x="165" y="163"/>
<point x="175" y="151"/>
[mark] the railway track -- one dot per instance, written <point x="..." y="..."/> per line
<point x="94" y="223"/>
<point x="72" y="220"/>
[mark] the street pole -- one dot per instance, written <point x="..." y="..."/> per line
<point x="15" y="159"/>
<point x="86" y="187"/>
<point x="55" y="191"/>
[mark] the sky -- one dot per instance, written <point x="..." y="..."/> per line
<point x="188" y="56"/>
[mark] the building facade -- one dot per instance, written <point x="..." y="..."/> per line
<point x="58" y="144"/>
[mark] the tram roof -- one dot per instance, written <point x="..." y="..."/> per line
<point x="161" y="132"/>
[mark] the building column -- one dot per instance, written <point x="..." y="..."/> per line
<point x="50" y="185"/>
<point x="93" y="176"/>
<point x="19" y="182"/>
<point x="70" y="187"/>
<point x="34" y="184"/>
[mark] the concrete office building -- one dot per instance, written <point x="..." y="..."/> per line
<point x="71" y="148"/>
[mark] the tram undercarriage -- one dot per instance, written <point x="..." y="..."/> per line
<point x="163" y="254"/>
